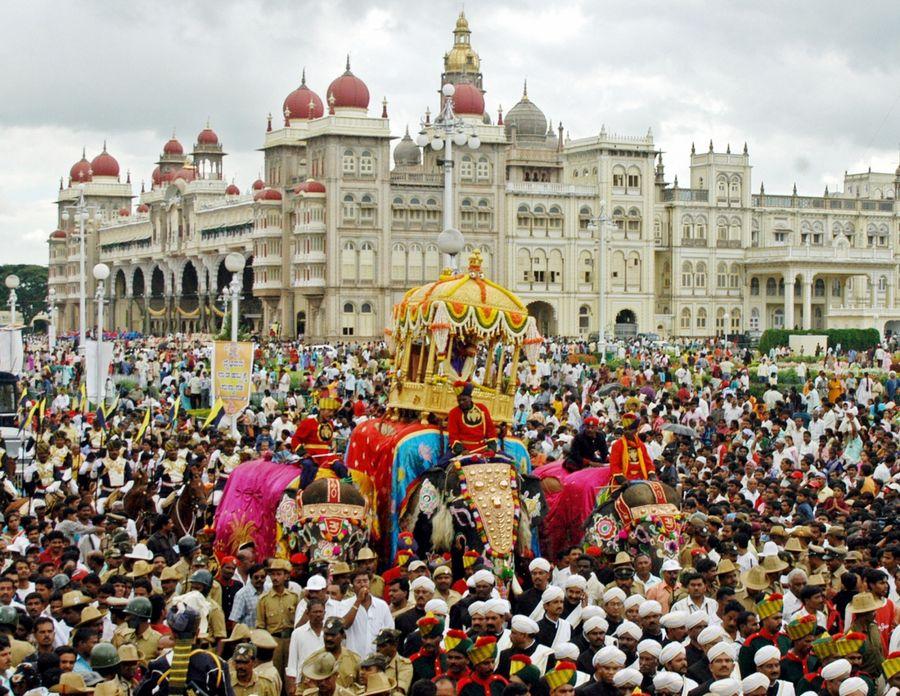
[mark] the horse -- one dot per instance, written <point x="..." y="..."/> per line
<point x="138" y="502"/>
<point x="188" y="512"/>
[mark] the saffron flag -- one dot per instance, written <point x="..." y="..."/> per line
<point x="144" y="425"/>
<point x="215" y="415"/>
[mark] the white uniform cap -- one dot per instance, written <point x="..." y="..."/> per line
<point x="523" y="624"/>
<point x="853" y="685"/>
<point x="694" y="619"/>
<point x="725" y="687"/>
<point x="627" y="677"/>
<point x="766" y="654"/>
<point x="610" y="655"/>
<point x="710" y="634"/>
<point x="755" y="681"/>
<point x="497" y="606"/>
<point x="476" y="609"/>
<point x="551" y="593"/>
<point x="649" y="607"/>
<point x="316" y="582"/>
<point x="836" y="670"/>
<point x="483" y="576"/>
<point x="649" y="647"/>
<point x="718" y="650"/>
<point x="593" y="623"/>
<point x="437" y="606"/>
<point x="613" y="593"/>
<point x="669" y="565"/>
<point x="674" y="619"/>
<point x="629" y="628"/>
<point x="576" y="581"/>
<point x="670" y="682"/>
<point x="566" y="651"/>
<point x="770" y="548"/>
<point x="423" y="582"/>
<point x="539" y="564"/>
<point x="669" y="652"/>
<point x="634" y="600"/>
<point x="590" y="611"/>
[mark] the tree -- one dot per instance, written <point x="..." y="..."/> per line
<point x="31" y="295"/>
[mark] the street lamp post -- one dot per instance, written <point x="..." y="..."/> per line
<point x="51" y="330"/>
<point x="234" y="262"/>
<point x="12" y="282"/>
<point x="80" y="211"/>
<point x="101" y="273"/>
<point x="446" y="131"/>
<point x="598" y="225"/>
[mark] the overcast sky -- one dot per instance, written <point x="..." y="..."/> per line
<point x="812" y="86"/>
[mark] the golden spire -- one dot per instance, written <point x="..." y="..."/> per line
<point x="462" y="58"/>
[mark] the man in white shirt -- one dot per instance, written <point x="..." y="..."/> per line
<point x="363" y="615"/>
<point x="305" y="640"/>
<point x="697" y="601"/>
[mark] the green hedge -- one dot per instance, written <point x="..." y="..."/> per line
<point x="858" y="339"/>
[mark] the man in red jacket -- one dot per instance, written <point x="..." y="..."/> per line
<point x="470" y="427"/>
<point x="628" y="458"/>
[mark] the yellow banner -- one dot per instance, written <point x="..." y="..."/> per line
<point x="231" y="369"/>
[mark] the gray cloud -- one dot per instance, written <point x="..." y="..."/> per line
<point x="812" y="87"/>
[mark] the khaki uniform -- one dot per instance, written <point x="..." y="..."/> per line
<point x="834" y="579"/>
<point x="147" y="644"/>
<point x="745" y="600"/>
<point x="121" y="686"/>
<point x="267" y="672"/>
<point x="400" y="672"/>
<point x="275" y="614"/>
<point x="376" y="586"/>
<point x="257" y="686"/>
<point x="348" y="667"/>
<point x="20" y="649"/>
<point x="215" y="624"/>
<point x="685" y="556"/>
<point x="215" y="594"/>
<point x="452" y="597"/>
<point x="637" y="587"/>
<point x="183" y="568"/>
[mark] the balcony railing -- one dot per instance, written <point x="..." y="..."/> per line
<point x="227" y="231"/>
<point x="685" y="195"/>
<point x="728" y="243"/>
<point x="130" y="245"/>
<point x="417" y="178"/>
<point x="694" y="242"/>
<point x="545" y="188"/>
<point x="813" y="202"/>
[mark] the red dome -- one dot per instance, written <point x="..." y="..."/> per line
<point x="124" y="212"/>
<point x="232" y="190"/>
<point x="105" y="164"/>
<point x="296" y="104"/>
<point x="268" y="194"/>
<point x="186" y="174"/>
<point x="468" y="99"/>
<point x="259" y="185"/>
<point x="156" y="177"/>
<point x="207" y="137"/>
<point x="349" y="91"/>
<point x="143" y="208"/>
<point x="81" y="170"/>
<point x="58" y="234"/>
<point x="310" y="186"/>
<point x="173" y="147"/>
<point x="167" y="176"/>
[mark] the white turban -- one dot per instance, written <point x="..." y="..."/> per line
<point x="669" y="652"/>
<point x="551" y="593"/>
<point x="670" y="682"/>
<point x="709" y="634"/>
<point x="725" y="687"/>
<point x="590" y="611"/>
<point x="634" y="601"/>
<point x="613" y="593"/>
<point x="629" y="628"/>
<point x="650" y="647"/>
<point x="718" y="650"/>
<point x="836" y="670"/>
<point x="593" y="623"/>
<point x="627" y="677"/>
<point x="755" y="681"/>
<point x="476" y="609"/>
<point x="523" y="624"/>
<point x="853" y="685"/>
<point x="423" y="582"/>
<point x="766" y="654"/>
<point x="674" y="619"/>
<point x="566" y="651"/>
<point x="482" y="576"/>
<point x="437" y="606"/>
<point x="650" y="607"/>
<point x="610" y="655"/>
<point x="576" y="581"/>
<point x="497" y="606"/>
<point x="539" y="564"/>
<point x="695" y="619"/>
<point x="670" y="565"/>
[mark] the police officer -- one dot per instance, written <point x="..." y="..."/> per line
<point x="9" y="621"/>
<point x="137" y="630"/>
<point x="105" y="661"/>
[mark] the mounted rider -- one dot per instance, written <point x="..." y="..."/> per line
<point x="42" y="479"/>
<point x="628" y="457"/>
<point x="224" y="462"/>
<point x="114" y="475"/>
<point x="170" y="473"/>
<point x="313" y="442"/>
<point x="470" y="427"/>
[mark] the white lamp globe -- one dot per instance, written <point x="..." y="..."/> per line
<point x="422" y="139"/>
<point x="474" y="142"/>
<point x="101" y="271"/>
<point x="448" y="90"/>
<point x="12" y="281"/>
<point x="234" y="262"/>
<point x="459" y="139"/>
<point x="450" y="241"/>
<point x="437" y="144"/>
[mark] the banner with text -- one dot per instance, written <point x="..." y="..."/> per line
<point x="232" y="367"/>
<point x="12" y="351"/>
<point x="95" y="366"/>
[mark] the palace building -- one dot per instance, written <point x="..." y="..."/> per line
<point x="340" y="226"/>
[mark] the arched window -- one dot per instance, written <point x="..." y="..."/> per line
<point x="366" y="320"/>
<point x="523" y="265"/>
<point x="722" y="275"/>
<point x="685" y="321"/>
<point x="415" y="263"/>
<point x="584" y="319"/>
<point x="734" y="192"/>
<point x="819" y="287"/>
<point x="687" y="274"/>
<point x="349" y="209"/>
<point x="466" y="168"/>
<point x="555" y="268"/>
<point x="587" y="268"/>
<point x="687" y="227"/>
<point x="771" y="290"/>
<point x="700" y="227"/>
<point x="523" y="217"/>
<point x="700" y="275"/>
<point x="619" y="218"/>
<point x="618" y="176"/>
<point x="722" y="229"/>
<point x="735" y="320"/>
<point x="584" y="217"/>
<point x="398" y="263"/>
<point x="722" y="187"/>
<point x="348" y="319"/>
<point x="482" y="169"/>
<point x="634" y="221"/>
<point x="367" y="262"/>
<point x="701" y="318"/>
<point x="778" y="318"/>
<point x="348" y="262"/>
<point x="633" y="272"/>
<point x="734" y="277"/>
<point x="348" y="162"/>
<point x="366" y="164"/>
<point x="633" y="181"/>
<point x="754" y="319"/>
<point x="720" y="320"/>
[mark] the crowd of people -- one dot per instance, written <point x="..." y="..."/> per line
<point x="784" y="583"/>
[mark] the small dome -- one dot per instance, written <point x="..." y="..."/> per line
<point x="207" y="137"/>
<point x="143" y="208"/>
<point x="185" y="173"/>
<point x="259" y="185"/>
<point x="124" y="212"/>
<point x="173" y="147"/>
<point x="232" y="190"/>
<point x="81" y="170"/>
<point x="348" y="91"/>
<point x="310" y="186"/>
<point x="468" y="99"/>
<point x="268" y="194"/>
<point x="105" y="164"/>
<point x="167" y="175"/>
<point x="58" y="234"/>
<point x="156" y="177"/>
<point x="407" y="153"/>
<point x="529" y="120"/>
<point x="296" y="104"/>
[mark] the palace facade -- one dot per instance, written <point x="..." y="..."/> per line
<point x="341" y="226"/>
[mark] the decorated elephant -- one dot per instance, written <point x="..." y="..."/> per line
<point x="477" y="503"/>
<point x="643" y="517"/>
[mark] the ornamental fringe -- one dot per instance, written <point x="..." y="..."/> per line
<point x="189" y="315"/>
<point x="156" y="312"/>
<point x="462" y="318"/>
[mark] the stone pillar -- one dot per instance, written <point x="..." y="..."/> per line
<point x="129" y="306"/>
<point x="790" y="280"/>
<point x="890" y="293"/>
<point x="807" y="302"/>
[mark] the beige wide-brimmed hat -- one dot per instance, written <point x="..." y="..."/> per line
<point x="865" y="602"/>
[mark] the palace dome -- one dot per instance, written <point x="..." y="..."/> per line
<point x="296" y="104"/>
<point x="348" y="91"/>
<point x="310" y="186"/>
<point x="232" y="190"/>
<point x="407" y="153"/>
<point x="268" y="194"/>
<point x="529" y="120"/>
<point x="58" y="234"/>
<point x="207" y="136"/>
<point x="105" y="164"/>
<point x="143" y="208"/>
<point x="81" y="170"/>
<point x="173" y="147"/>
<point x="468" y="99"/>
<point x="259" y="185"/>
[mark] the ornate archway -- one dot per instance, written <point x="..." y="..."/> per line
<point x="626" y="324"/>
<point x="545" y="316"/>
